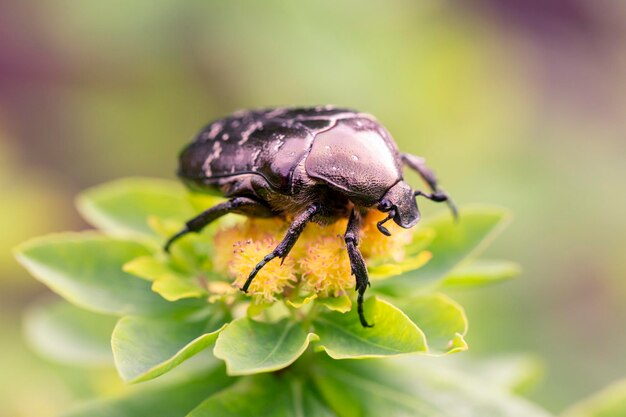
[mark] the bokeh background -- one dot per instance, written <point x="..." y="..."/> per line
<point x="520" y="103"/>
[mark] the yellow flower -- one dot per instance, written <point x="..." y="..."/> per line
<point x="255" y="229"/>
<point x="318" y="263"/>
<point x="326" y="267"/>
<point x="272" y="280"/>
<point x="376" y="245"/>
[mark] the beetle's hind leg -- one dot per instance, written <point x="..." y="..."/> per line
<point x="239" y="205"/>
<point x="290" y="239"/>
<point x="357" y="263"/>
<point x="418" y="164"/>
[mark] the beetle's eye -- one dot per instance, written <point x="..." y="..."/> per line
<point x="385" y="205"/>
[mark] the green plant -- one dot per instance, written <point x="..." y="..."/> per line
<point x="288" y="351"/>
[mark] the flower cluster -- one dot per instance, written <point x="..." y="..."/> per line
<point x="318" y="264"/>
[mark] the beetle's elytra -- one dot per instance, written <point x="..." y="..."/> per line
<point x="310" y="164"/>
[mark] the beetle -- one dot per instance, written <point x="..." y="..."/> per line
<point x="307" y="164"/>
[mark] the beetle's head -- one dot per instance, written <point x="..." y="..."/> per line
<point x="399" y="202"/>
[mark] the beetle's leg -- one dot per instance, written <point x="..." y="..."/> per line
<point x="239" y="205"/>
<point x="418" y="164"/>
<point x="283" y="248"/>
<point x="357" y="264"/>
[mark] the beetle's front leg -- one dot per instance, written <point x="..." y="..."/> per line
<point x="418" y="164"/>
<point x="357" y="263"/>
<point x="290" y="239"/>
<point x="239" y="205"/>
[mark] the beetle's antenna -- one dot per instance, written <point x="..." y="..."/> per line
<point x="383" y="229"/>
<point x="439" y="197"/>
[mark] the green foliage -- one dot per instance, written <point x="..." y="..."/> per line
<point x="343" y="337"/>
<point x="68" y="334"/>
<point x="454" y="244"/>
<point x="279" y="358"/>
<point x="146" y="347"/>
<point x="248" y="346"/>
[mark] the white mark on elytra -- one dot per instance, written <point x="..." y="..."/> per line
<point x="327" y="147"/>
<point x="276" y="112"/>
<point x="278" y="145"/>
<point x="217" y="151"/>
<point x="245" y="135"/>
<point x="225" y="136"/>
<point x="255" y="156"/>
<point x="354" y="157"/>
<point x="215" y="129"/>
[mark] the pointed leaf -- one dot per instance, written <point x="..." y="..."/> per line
<point x="68" y="334"/>
<point x="122" y="207"/>
<point x="174" y="399"/>
<point x="454" y="243"/>
<point x="301" y="300"/>
<point x="388" y="270"/>
<point x="480" y="272"/>
<point x="341" y="304"/>
<point x="342" y="335"/>
<point x="86" y="270"/>
<point x="145" y="348"/>
<point x="442" y="320"/>
<point x="250" y="346"/>
<point x="171" y="284"/>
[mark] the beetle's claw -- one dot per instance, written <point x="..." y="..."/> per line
<point x="382" y="228"/>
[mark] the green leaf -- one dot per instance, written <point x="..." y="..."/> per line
<point x="388" y="270"/>
<point x="171" y="284"/>
<point x="122" y="207"/>
<point x="342" y="335"/>
<point x="86" y="269"/>
<point x="442" y="320"/>
<point x="250" y="346"/>
<point x="264" y="395"/>
<point x="610" y="402"/>
<point x="65" y="333"/>
<point x="412" y="388"/>
<point x="479" y="273"/>
<point x="301" y="300"/>
<point x="145" y="348"/>
<point x="454" y="243"/>
<point x="163" y="400"/>
<point x="342" y="304"/>
<point x="261" y="395"/>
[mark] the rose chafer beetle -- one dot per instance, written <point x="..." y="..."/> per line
<point x="314" y="164"/>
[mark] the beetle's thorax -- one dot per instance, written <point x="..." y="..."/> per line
<point x="355" y="158"/>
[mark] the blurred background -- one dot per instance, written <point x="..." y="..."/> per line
<point x="520" y="103"/>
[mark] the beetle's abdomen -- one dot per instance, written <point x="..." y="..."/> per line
<point x="246" y="144"/>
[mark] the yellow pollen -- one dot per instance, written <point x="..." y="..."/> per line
<point x="272" y="279"/>
<point x="318" y="262"/>
<point x="326" y="267"/>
